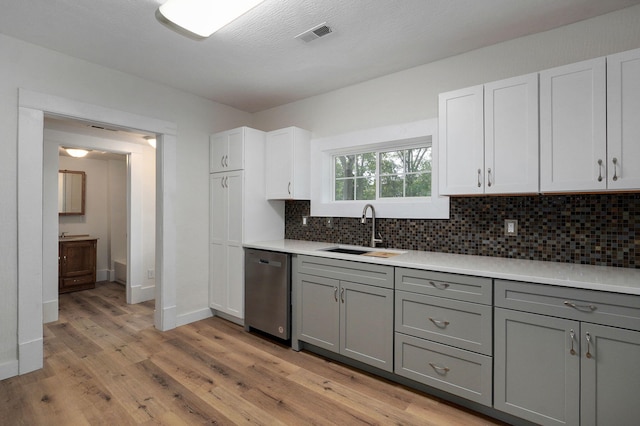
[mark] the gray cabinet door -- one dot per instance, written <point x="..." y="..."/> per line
<point x="319" y="311"/>
<point x="610" y="377"/>
<point x="536" y="376"/>
<point x="366" y="315"/>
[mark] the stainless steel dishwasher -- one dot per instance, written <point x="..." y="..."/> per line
<point x="267" y="292"/>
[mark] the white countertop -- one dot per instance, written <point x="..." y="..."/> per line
<point x="618" y="280"/>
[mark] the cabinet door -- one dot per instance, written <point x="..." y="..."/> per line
<point x="536" y="377"/>
<point x="318" y="311"/>
<point x="461" y="142"/>
<point x="366" y="324"/>
<point x="235" y="208"/>
<point x="623" y="125"/>
<point x="217" y="152"/>
<point x="610" y="378"/>
<point x="279" y="164"/>
<point x="573" y="153"/>
<point x="235" y="149"/>
<point x="217" y="208"/>
<point x="511" y="135"/>
<point x="218" y="276"/>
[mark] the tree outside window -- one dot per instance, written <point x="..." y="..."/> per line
<point x="397" y="174"/>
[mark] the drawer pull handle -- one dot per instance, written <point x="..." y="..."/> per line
<point x="342" y="294"/>
<point x="589" y="343"/>
<point x="440" y="370"/>
<point x="580" y="307"/>
<point x="335" y="293"/>
<point x="438" y="323"/>
<point x="439" y="286"/>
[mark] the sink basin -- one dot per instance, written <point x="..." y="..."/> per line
<point x="346" y="250"/>
<point x="364" y="251"/>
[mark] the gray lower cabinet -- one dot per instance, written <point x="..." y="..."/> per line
<point x="561" y="367"/>
<point x="336" y="312"/>
<point x="443" y="325"/>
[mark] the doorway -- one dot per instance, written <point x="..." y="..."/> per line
<point x="117" y="161"/>
<point x="32" y="109"/>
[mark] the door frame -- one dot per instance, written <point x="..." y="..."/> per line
<point x="32" y="108"/>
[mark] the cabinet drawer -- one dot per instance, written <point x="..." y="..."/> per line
<point x="452" y="286"/>
<point x="618" y="310"/>
<point x="452" y="322"/>
<point x="81" y="282"/>
<point x="463" y="373"/>
<point x="365" y="273"/>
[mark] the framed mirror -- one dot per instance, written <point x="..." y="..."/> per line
<point x="71" y="192"/>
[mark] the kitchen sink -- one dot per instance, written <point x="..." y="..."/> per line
<point x="346" y="250"/>
<point x="364" y="251"/>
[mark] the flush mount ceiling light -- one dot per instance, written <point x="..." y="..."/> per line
<point x="204" y="17"/>
<point x="151" y="140"/>
<point x="77" y="153"/>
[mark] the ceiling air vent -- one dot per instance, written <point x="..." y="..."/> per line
<point x="314" y="33"/>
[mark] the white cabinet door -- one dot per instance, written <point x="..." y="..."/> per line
<point x="287" y="164"/>
<point x="460" y="125"/>
<point x="573" y="153"/>
<point x="511" y="135"/>
<point x="623" y="120"/>
<point x="235" y="209"/>
<point x="226" y="150"/>
<point x="218" y="276"/>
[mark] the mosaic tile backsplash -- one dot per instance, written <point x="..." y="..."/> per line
<point x="585" y="229"/>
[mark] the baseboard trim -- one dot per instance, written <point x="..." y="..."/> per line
<point x="8" y="369"/>
<point x="142" y="294"/>
<point x="30" y="355"/>
<point x="189" y="317"/>
<point x="50" y="311"/>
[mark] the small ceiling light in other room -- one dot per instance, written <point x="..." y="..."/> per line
<point x="204" y="17"/>
<point x="151" y="140"/>
<point x="77" y="153"/>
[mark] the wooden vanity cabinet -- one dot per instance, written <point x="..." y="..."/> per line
<point x="76" y="265"/>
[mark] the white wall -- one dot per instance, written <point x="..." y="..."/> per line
<point x="45" y="71"/>
<point x="412" y="95"/>
<point x="118" y="210"/>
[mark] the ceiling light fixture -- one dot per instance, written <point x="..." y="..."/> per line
<point x="204" y="17"/>
<point x="151" y="140"/>
<point x="77" y="153"/>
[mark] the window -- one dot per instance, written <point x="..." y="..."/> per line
<point x="393" y="167"/>
<point x="397" y="173"/>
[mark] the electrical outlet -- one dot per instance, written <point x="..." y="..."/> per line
<point x="329" y="222"/>
<point x="305" y="220"/>
<point x="151" y="274"/>
<point x="510" y="227"/>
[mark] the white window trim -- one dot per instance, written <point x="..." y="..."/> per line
<point x="323" y="150"/>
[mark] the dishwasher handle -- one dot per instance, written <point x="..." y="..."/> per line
<point x="266" y="262"/>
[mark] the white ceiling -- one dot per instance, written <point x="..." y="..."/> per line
<point x="255" y="63"/>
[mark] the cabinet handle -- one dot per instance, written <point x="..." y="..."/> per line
<point x="342" y="295"/>
<point x="438" y="323"/>
<point x="580" y="307"/>
<point x="439" y="286"/>
<point x="572" y="336"/>
<point x="489" y="177"/>
<point x="479" y="176"/>
<point x="615" y="169"/>
<point x="335" y="293"/>
<point x="289" y="188"/>
<point x="599" y="170"/>
<point x="226" y="161"/>
<point x="589" y="343"/>
<point x="439" y="369"/>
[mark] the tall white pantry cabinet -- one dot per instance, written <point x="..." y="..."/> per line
<point x="238" y="213"/>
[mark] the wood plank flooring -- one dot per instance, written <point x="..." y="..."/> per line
<point x="105" y="364"/>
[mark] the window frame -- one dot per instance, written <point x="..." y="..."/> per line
<point x="376" y="139"/>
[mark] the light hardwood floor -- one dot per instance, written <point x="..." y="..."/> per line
<point x="106" y="364"/>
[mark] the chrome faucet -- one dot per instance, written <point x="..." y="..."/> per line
<point x="374" y="240"/>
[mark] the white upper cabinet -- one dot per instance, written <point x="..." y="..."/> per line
<point x="511" y="140"/>
<point x="226" y="150"/>
<point x="623" y="120"/>
<point x="489" y="138"/>
<point x="460" y="125"/>
<point x="287" y="164"/>
<point x="573" y="148"/>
